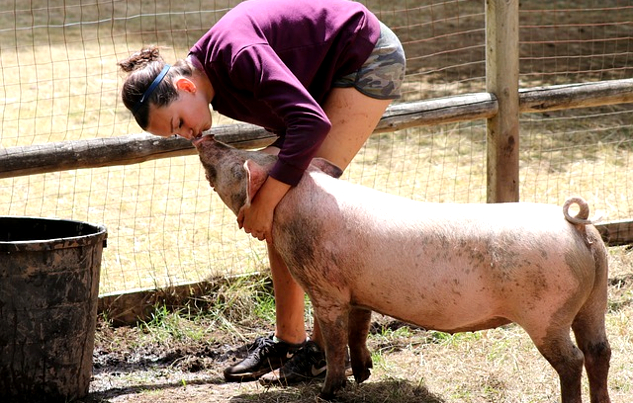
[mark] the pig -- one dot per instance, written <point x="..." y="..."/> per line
<point x="441" y="266"/>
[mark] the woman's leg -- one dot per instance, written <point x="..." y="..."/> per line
<point x="289" y="301"/>
<point x="354" y="117"/>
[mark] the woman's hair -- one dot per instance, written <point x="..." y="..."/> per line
<point x="144" y="67"/>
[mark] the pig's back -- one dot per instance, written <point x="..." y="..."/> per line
<point x="403" y="258"/>
<point x="326" y="197"/>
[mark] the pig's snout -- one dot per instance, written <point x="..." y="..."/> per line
<point x="198" y="141"/>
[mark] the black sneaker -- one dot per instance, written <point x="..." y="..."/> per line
<point x="307" y="364"/>
<point x="265" y="354"/>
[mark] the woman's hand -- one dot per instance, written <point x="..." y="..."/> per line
<point x="257" y="219"/>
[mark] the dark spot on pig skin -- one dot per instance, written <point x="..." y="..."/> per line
<point x="456" y="287"/>
<point x="238" y="172"/>
<point x="299" y="240"/>
<point x="211" y="173"/>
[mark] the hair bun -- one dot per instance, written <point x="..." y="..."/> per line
<point x="139" y="60"/>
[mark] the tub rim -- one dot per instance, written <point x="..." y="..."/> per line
<point x="98" y="233"/>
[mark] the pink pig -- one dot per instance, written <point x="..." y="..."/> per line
<point x="447" y="267"/>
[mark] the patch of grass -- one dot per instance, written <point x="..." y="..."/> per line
<point x="178" y="325"/>
<point x="500" y="365"/>
<point x="265" y="307"/>
<point x="449" y="339"/>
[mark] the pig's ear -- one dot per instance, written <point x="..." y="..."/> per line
<point x="327" y="167"/>
<point x="256" y="176"/>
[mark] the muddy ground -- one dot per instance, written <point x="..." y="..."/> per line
<point x="180" y="358"/>
<point x="186" y="371"/>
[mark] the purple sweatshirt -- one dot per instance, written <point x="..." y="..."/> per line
<point x="272" y="63"/>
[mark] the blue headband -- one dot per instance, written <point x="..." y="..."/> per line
<point x="151" y="88"/>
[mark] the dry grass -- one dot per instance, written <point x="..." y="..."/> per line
<point x="180" y="356"/>
<point x="60" y="82"/>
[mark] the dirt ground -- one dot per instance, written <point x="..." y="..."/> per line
<point x="181" y="360"/>
<point x="171" y="371"/>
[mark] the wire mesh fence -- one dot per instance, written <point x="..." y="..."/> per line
<point x="59" y="83"/>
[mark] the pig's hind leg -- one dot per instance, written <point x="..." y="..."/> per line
<point x="359" y="323"/>
<point x="592" y="340"/>
<point x="589" y="329"/>
<point x="555" y="344"/>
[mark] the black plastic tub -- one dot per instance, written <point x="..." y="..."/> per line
<point x="49" y="289"/>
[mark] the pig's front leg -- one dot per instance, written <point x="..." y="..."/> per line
<point x="359" y="322"/>
<point x="333" y="320"/>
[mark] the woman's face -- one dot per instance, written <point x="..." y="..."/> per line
<point x="187" y="116"/>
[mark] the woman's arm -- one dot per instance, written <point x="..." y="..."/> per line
<point x="257" y="219"/>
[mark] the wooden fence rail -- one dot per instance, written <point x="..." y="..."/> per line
<point x="136" y="148"/>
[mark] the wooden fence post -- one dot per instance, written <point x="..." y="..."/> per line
<point x="502" y="79"/>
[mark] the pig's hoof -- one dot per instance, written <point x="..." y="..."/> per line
<point x="362" y="370"/>
<point x="362" y="375"/>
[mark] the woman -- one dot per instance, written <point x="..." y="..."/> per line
<point x="319" y="75"/>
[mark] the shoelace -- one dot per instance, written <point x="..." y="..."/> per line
<point x="261" y="345"/>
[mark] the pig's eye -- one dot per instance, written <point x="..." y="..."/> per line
<point x="238" y="172"/>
